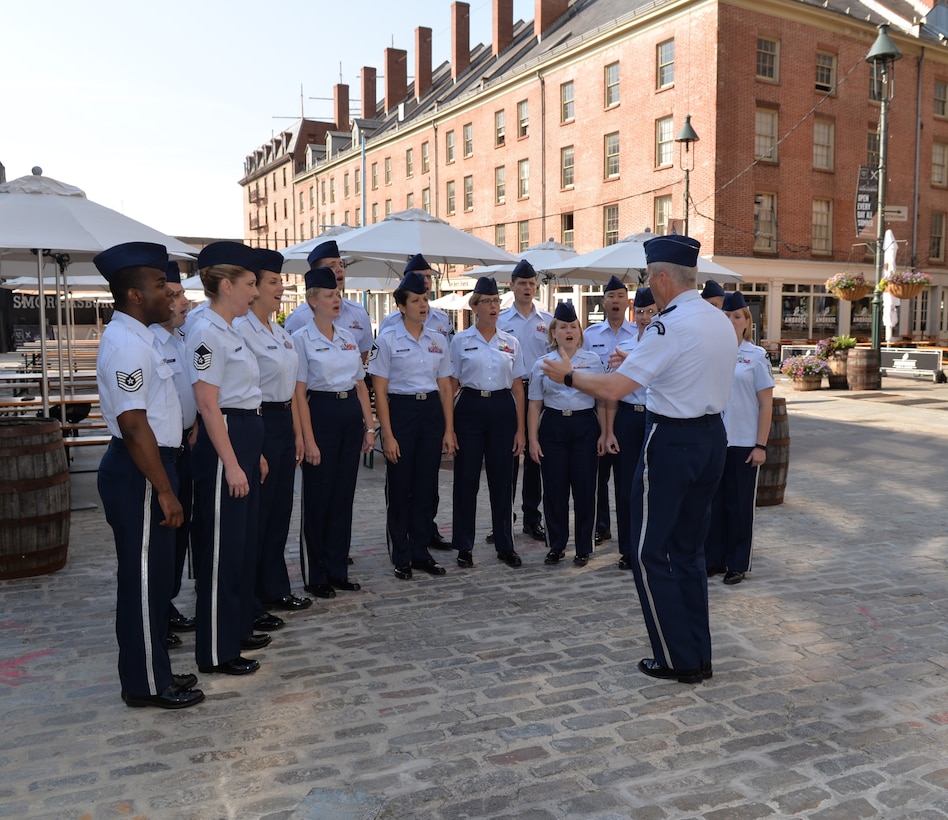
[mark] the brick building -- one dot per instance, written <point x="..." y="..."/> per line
<point x="565" y="127"/>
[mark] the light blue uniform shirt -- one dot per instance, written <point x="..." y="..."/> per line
<point x="170" y="345"/>
<point x="276" y="357"/>
<point x="484" y="365"/>
<point x="436" y="320"/>
<point x="751" y="375"/>
<point x="410" y="365"/>
<point x="352" y="317"/>
<point x="217" y="354"/>
<point x="636" y="396"/>
<point x="602" y="340"/>
<point x="327" y="366"/>
<point x="559" y="396"/>
<point x="531" y="331"/>
<point x="685" y="358"/>
<point x="132" y="375"/>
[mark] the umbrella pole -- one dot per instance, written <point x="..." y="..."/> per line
<point x="44" y="384"/>
<point x="61" y="261"/>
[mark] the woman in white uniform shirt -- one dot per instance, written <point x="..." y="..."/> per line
<point x="337" y="427"/>
<point x="747" y="421"/>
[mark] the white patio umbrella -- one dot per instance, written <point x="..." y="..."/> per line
<point x="452" y="301"/>
<point x="42" y="217"/>
<point x="367" y="272"/>
<point x="890" y="303"/>
<point x="542" y="257"/>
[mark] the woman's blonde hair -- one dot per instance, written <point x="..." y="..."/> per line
<point x="212" y="277"/>
<point x="554" y="325"/>
<point x="748" y="335"/>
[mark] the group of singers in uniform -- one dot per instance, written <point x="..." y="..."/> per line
<point x="219" y="407"/>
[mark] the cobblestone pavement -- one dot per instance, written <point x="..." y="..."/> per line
<point x="502" y="693"/>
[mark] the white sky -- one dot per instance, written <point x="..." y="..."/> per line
<point x="152" y="108"/>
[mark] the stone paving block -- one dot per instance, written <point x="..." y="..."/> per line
<point x="802" y="801"/>
<point x="849" y="810"/>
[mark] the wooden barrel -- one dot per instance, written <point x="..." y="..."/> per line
<point x="34" y="497"/>
<point x="862" y="369"/>
<point x="772" y="476"/>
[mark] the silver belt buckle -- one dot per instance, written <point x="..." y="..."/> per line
<point x="567" y="413"/>
<point x="421" y="396"/>
<point x="344" y="394"/>
<point x="485" y="394"/>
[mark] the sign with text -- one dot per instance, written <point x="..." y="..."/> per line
<point x="909" y="361"/>
<point x="867" y="197"/>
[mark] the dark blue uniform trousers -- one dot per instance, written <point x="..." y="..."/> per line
<point x="485" y="429"/>
<point x="276" y="506"/>
<point x="186" y="497"/>
<point x="629" y="429"/>
<point x="532" y="478"/>
<point x="329" y="488"/>
<point x="412" y="483"/>
<point x="569" y="463"/>
<point x="225" y="543"/>
<point x="676" y="478"/>
<point x="145" y="552"/>
<point x="731" y="533"/>
<point x="605" y="467"/>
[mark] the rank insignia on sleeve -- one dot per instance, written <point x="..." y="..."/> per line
<point x="130" y="382"/>
<point x="373" y="354"/>
<point x="202" y="357"/>
<point x="657" y="326"/>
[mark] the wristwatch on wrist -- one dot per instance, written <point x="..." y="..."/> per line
<point x="568" y="379"/>
<point x="760" y="447"/>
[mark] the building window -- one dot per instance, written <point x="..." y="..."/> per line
<point x="824" y="133"/>
<point x="768" y="59"/>
<point x="523" y="178"/>
<point x="825" y="71"/>
<point x="410" y="199"/>
<point x="765" y="223"/>
<point x="611" y="81"/>
<point x="388" y="170"/>
<point x="426" y="200"/>
<point x="323" y="191"/>
<point x="822" y="226"/>
<point x="872" y="149"/>
<point x="469" y="193"/>
<point x="345" y="185"/>
<point x="611" y="156"/>
<point x="425" y="158"/>
<point x="610" y="225"/>
<point x="467" y="134"/>
<point x="345" y="219"/>
<point x="663" y="142"/>
<point x="567" y="160"/>
<point x="375" y="212"/>
<point x="662" y="209"/>
<point x="665" y="64"/>
<point x="500" y="235"/>
<point x="358" y="217"/>
<point x="500" y="185"/>
<point x="765" y="135"/>
<point x="332" y="190"/>
<point x="388" y="206"/>
<point x="523" y="119"/>
<point x="284" y="185"/>
<point x="312" y="227"/>
<point x="312" y="196"/>
<point x="567" y="102"/>
<point x="500" y="128"/>
<point x="936" y="250"/>
<point x="941" y="99"/>
<point x="449" y="147"/>
<point x="566" y="229"/>
<point x="358" y="181"/>
<point x="523" y="235"/>
<point x="302" y="208"/>
<point x="450" y="197"/>
<point x="410" y="163"/>
<point x="375" y="176"/>
<point x="939" y="164"/>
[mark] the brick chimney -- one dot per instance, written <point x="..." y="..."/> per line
<point x="340" y="106"/>
<point x="503" y="25"/>
<point x="422" y="61"/>
<point x="460" y="38"/>
<point x="369" y="101"/>
<point x="396" y="77"/>
<point x="546" y="12"/>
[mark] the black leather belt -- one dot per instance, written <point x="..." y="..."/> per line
<point x="268" y="406"/>
<point x="240" y="411"/>
<point x="655" y="417"/>
<point x="586" y="411"/>
<point x="324" y="394"/>
<point x="486" y="394"/>
<point x="635" y="408"/>
<point x="413" y="396"/>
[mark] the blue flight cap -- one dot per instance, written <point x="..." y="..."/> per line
<point x="413" y="282"/>
<point x="229" y="253"/>
<point x="173" y="273"/>
<point x="711" y="289"/>
<point x="524" y="270"/>
<point x="734" y="301"/>
<point x="131" y="255"/>
<point x="614" y="283"/>
<point x="486" y="285"/>
<point x="643" y="298"/>
<point x="674" y="249"/>
<point x="269" y="260"/>
<point x="565" y="312"/>
<point x="417" y="263"/>
<point x="325" y="250"/>
<point x="320" y="278"/>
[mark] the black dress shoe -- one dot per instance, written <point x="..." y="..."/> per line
<point x="255" y="641"/>
<point x="465" y="559"/>
<point x="185" y="681"/>
<point x="731" y="578"/>
<point x="237" y="666"/>
<point x="490" y="537"/>
<point x="172" y="697"/>
<point x="346" y="585"/>
<point x="554" y="556"/>
<point x="430" y="566"/>
<point x="654" y="669"/>
<point x="605" y="535"/>
<point x="581" y="560"/>
<point x="511" y="559"/>
<point x="536" y="532"/>
<point x="289" y="603"/>
<point x="172" y="641"/>
<point x="706" y="671"/>
<point x="321" y="590"/>
<point x="403" y="572"/>
<point x="268" y="622"/>
<point x="438" y="542"/>
<point x="180" y="622"/>
<point x="625" y="563"/>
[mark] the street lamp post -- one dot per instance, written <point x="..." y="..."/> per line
<point x="882" y="57"/>
<point x="686" y="160"/>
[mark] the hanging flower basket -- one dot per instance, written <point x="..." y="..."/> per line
<point x="852" y="294"/>
<point x="906" y="284"/>
<point x="904" y="291"/>
<point x="848" y="286"/>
